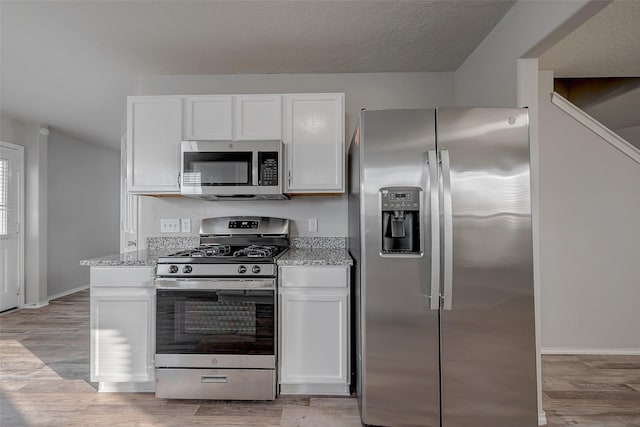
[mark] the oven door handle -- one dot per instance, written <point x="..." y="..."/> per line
<point x="206" y="285"/>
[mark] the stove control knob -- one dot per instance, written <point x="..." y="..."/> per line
<point x="187" y="269"/>
<point x="242" y="269"/>
<point x="256" y="269"/>
<point x="173" y="269"/>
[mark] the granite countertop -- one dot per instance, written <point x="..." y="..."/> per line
<point x="303" y="251"/>
<point x="142" y="258"/>
<point x="294" y="256"/>
<point x="316" y="257"/>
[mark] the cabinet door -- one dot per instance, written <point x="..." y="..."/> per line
<point x="314" y="338"/>
<point x="314" y="143"/>
<point x="208" y="117"/>
<point x="154" y="132"/>
<point x="258" y="117"/>
<point x="122" y="329"/>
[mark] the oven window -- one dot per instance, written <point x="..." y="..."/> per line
<point x="215" y="322"/>
<point x="217" y="168"/>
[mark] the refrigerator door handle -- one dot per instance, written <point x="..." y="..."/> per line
<point x="447" y="210"/>
<point x="434" y="208"/>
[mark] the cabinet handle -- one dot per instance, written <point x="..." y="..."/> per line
<point x="178" y="179"/>
<point x="213" y="379"/>
<point x="289" y="178"/>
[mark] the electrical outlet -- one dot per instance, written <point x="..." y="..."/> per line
<point x="170" y="225"/>
<point x="313" y="224"/>
<point x="185" y="225"/>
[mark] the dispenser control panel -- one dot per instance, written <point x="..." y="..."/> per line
<point x="405" y="199"/>
<point x="400" y="221"/>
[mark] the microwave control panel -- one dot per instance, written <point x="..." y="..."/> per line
<point x="268" y="165"/>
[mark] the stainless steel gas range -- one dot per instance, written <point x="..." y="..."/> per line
<point x="216" y="315"/>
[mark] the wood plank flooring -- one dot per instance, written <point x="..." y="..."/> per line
<point x="44" y="381"/>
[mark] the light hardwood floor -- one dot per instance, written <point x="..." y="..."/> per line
<point x="44" y="381"/>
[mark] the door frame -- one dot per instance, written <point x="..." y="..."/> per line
<point x="21" y="224"/>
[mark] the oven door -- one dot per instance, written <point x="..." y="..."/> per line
<point x="217" y="328"/>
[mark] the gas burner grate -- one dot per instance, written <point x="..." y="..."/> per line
<point x="256" y="251"/>
<point x="210" y="250"/>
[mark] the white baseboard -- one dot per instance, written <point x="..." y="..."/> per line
<point x="604" y="351"/>
<point x="542" y="418"/>
<point x="316" y="389"/>
<point x="33" y="305"/>
<point x="68" y="292"/>
<point x="145" y="387"/>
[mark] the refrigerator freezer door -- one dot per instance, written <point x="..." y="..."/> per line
<point x="398" y="354"/>
<point x="487" y="338"/>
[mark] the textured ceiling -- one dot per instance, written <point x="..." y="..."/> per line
<point x="607" y="45"/>
<point x="71" y="63"/>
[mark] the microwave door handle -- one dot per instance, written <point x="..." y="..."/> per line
<point x="254" y="169"/>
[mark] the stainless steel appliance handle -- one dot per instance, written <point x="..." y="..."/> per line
<point x="434" y="208"/>
<point x="209" y="285"/>
<point x="213" y="379"/>
<point x="447" y="274"/>
<point x="254" y="169"/>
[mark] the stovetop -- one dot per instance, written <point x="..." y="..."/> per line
<point x="234" y="247"/>
<point x="216" y="253"/>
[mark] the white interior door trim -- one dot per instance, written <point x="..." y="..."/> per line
<point x="21" y="224"/>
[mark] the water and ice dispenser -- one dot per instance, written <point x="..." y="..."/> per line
<point x="400" y="213"/>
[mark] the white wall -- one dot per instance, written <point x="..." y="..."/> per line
<point x="376" y="90"/>
<point x="84" y="209"/>
<point x="28" y="135"/>
<point x="589" y="237"/>
<point x="488" y="75"/>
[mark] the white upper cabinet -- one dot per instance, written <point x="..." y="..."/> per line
<point x="258" y="117"/>
<point x="311" y="126"/>
<point x="314" y="140"/>
<point x="208" y="117"/>
<point x="154" y="132"/>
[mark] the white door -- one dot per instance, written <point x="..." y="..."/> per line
<point x="208" y="117"/>
<point x="314" y="142"/>
<point x="154" y="132"/>
<point x="258" y="117"/>
<point x="314" y="338"/>
<point x="10" y="165"/>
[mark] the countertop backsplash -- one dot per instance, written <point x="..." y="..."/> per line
<point x="175" y="243"/>
<point x="307" y="242"/>
<point x="172" y="243"/>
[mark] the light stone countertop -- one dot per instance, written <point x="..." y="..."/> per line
<point x="142" y="258"/>
<point x="316" y="251"/>
<point x="316" y="257"/>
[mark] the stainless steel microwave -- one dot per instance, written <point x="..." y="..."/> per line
<point x="232" y="170"/>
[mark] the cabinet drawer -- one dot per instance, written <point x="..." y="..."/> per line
<point x="314" y="277"/>
<point x="235" y="384"/>
<point x="122" y="276"/>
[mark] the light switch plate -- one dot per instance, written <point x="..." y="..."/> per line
<point x="313" y="224"/>
<point x="185" y="225"/>
<point x="170" y="225"/>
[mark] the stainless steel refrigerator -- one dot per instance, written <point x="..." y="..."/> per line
<point x="440" y="232"/>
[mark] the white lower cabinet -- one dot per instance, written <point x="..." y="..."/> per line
<point x="314" y="330"/>
<point x="122" y="324"/>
